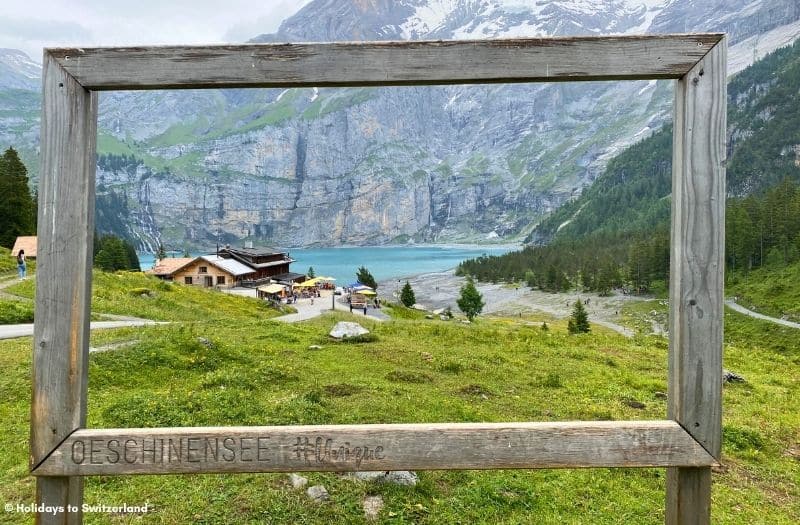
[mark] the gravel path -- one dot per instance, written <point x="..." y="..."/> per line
<point x="306" y="310"/>
<point x="13" y="331"/>
<point x="742" y="310"/>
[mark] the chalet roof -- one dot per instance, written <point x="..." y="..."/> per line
<point x="27" y="243"/>
<point x="231" y="266"/>
<point x="259" y="266"/>
<point x="289" y="277"/>
<point x="253" y="252"/>
<point x="169" y="265"/>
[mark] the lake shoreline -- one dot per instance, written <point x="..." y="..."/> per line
<point x="384" y="262"/>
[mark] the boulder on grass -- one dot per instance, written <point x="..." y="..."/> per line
<point x="317" y="493"/>
<point x="731" y="377"/>
<point x="397" y="477"/>
<point x="344" y="330"/>
<point x="297" y="481"/>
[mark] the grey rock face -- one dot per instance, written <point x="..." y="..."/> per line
<point x="372" y="166"/>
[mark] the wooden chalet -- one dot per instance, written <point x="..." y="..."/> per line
<point x="265" y="263"/>
<point x="166" y="268"/>
<point x="207" y="271"/>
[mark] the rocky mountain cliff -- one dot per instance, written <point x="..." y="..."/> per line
<point x="372" y="166"/>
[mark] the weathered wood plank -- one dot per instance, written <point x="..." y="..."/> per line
<point x="63" y="276"/>
<point x="698" y="250"/>
<point x="387" y="63"/>
<point x="696" y="277"/>
<point x="688" y="496"/>
<point x="374" y="447"/>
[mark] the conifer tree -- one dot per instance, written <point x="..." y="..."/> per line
<point x="17" y="209"/>
<point x="579" y="322"/>
<point x="407" y="296"/>
<point x="471" y="301"/>
<point x="311" y="273"/>
<point x="113" y="253"/>
<point x="365" y="277"/>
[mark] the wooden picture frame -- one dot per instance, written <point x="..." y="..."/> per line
<point x="687" y="443"/>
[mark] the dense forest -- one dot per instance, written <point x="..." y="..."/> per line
<point x="112" y="253"/>
<point x="761" y="231"/>
<point x="616" y="234"/>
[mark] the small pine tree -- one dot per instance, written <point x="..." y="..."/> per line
<point x="471" y="301"/>
<point x="364" y="277"/>
<point x="407" y="296"/>
<point x="162" y="253"/>
<point x="545" y="328"/>
<point x="579" y="322"/>
<point x="311" y="273"/>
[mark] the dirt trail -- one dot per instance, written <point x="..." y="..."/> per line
<point x="742" y="310"/>
<point x="13" y="331"/>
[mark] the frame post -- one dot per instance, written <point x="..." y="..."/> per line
<point x="63" y="292"/>
<point x="696" y="277"/>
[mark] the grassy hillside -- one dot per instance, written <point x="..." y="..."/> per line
<point x="252" y="371"/>
<point x="8" y="263"/>
<point x="770" y="291"/>
<point x="139" y="295"/>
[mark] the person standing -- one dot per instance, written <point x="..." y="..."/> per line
<point x="22" y="269"/>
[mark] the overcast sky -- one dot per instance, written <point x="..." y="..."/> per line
<point x="30" y="25"/>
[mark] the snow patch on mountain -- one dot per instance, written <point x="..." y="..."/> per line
<point x="21" y="63"/>
<point x="427" y="18"/>
<point x="756" y="47"/>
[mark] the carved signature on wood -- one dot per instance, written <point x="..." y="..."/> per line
<point x="318" y="450"/>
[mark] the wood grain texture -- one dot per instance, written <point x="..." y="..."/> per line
<point x="696" y="278"/>
<point x="688" y="496"/>
<point x="387" y="63"/>
<point x="698" y="250"/>
<point x="342" y="448"/>
<point x="63" y="275"/>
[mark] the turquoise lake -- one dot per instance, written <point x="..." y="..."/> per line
<point x="384" y="262"/>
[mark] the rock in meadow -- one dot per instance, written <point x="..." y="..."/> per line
<point x="318" y="493"/>
<point x="344" y="330"/>
<point x="297" y="481"/>
<point x="372" y="507"/>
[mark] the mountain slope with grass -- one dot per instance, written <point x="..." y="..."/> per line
<point x="763" y="149"/>
<point x="616" y="233"/>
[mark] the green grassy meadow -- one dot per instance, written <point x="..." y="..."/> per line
<point x="770" y="291"/>
<point x="223" y="361"/>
